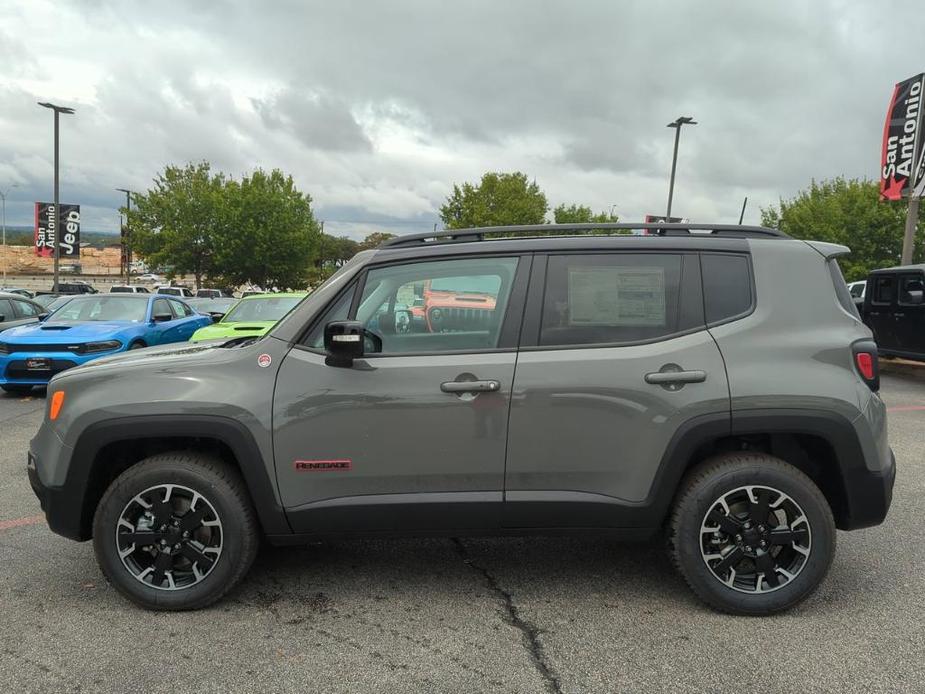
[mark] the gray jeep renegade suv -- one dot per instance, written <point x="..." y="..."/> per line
<point x="714" y="383"/>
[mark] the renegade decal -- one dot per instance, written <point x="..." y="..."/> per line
<point x="323" y="465"/>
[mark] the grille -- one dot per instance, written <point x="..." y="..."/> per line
<point x="458" y="318"/>
<point x="18" y="348"/>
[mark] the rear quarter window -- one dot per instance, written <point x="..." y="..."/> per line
<point x="727" y="286"/>
<point x="841" y="288"/>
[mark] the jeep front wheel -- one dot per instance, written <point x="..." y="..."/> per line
<point x="176" y="531"/>
<point x="751" y="534"/>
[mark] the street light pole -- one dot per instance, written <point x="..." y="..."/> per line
<point x="57" y="247"/>
<point x="3" y="194"/>
<point x="126" y="239"/>
<point x="683" y="120"/>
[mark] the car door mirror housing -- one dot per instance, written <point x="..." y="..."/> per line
<point x="344" y="341"/>
<point x="43" y="317"/>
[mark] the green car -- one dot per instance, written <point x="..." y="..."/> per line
<point x="251" y="316"/>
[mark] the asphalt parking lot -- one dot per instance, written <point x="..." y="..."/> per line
<point x="476" y="615"/>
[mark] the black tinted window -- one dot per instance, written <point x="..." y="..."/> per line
<point x="727" y="286"/>
<point x="612" y="298"/>
<point x="884" y="289"/>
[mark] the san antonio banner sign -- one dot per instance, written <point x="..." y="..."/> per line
<point x="902" y="161"/>
<point x="46" y="226"/>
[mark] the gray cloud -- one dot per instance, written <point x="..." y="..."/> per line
<point x="377" y="108"/>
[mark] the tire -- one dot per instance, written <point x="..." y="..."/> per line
<point x="708" y="546"/>
<point x="182" y="584"/>
<point x="136" y="345"/>
<point x="17" y="389"/>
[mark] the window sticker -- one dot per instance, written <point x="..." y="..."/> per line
<point x="620" y="296"/>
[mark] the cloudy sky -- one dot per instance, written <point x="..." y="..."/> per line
<point x="377" y="108"/>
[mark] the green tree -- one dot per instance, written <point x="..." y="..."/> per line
<point x="174" y="224"/>
<point x="847" y="212"/>
<point x="374" y="240"/>
<point x="269" y="235"/>
<point x="581" y="214"/>
<point x="498" y="199"/>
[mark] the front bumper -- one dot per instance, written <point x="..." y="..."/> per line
<point x="14" y="369"/>
<point x="62" y="506"/>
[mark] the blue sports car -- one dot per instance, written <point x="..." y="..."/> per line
<point x="89" y="327"/>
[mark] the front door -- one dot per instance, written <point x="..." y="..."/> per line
<point x="413" y="435"/>
<point x="615" y="357"/>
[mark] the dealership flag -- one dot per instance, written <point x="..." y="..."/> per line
<point x="46" y="227"/>
<point x="902" y="161"/>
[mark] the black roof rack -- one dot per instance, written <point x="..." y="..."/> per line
<point x="528" y="230"/>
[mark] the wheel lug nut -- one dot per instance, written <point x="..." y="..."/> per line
<point x="747" y="548"/>
<point x="177" y="546"/>
<point x="738" y="538"/>
<point x="186" y="533"/>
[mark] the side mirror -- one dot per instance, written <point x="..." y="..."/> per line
<point x="162" y="317"/>
<point x="43" y="317"/>
<point x="915" y="297"/>
<point x="345" y="340"/>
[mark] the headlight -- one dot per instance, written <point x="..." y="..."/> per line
<point x="4" y="349"/>
<point x="105" y="346"/>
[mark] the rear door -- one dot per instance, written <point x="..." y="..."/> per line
<point x="187" y="320"/>
<point x="909" y="318"/>
<point x="880" y="308"/>
<point x="615" y="357"/>
<point x="412" y="436"/>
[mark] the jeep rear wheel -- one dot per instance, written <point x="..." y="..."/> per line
<point x="751" y="534"/>
<point x="176" y="531"/>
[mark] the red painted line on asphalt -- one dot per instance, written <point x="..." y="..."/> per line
<point x="906" y="408"/>
<point x="19" y="522"/>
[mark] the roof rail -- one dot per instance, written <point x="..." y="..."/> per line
<point x="526" y="230"/>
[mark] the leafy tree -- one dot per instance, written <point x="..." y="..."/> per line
<point x="581" y="214"/>
<point x="498" y="199"/>
<point x="174" y="224"/>
<point x="848" y="212"/>
<point x="337" y="250"/>
<point x="374" y="240"/>
<point x="269" y="235"/>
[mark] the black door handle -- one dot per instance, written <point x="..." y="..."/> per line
<point x="470" y="386"/>
<point x="665" y="377"/>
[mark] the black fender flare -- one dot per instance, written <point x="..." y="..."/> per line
<point x="258" y="474"/>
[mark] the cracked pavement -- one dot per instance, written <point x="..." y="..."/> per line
<point x="553" y="614"/>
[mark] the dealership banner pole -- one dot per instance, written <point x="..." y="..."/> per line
<point x="912" y="221"/>
<point x="56" y="248"/>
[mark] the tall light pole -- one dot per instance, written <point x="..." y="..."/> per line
<point x="126" y="238"/>
<point x="57" y="247"/>
<point x="683" y="120"/>
<point x="3" y="194"/>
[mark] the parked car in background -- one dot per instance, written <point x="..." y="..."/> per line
<point x="251" y="316"/>
<point x="128" y="289"/>
<point x="857" y="289"/>
<point x="894" y="309"/>
<point x="150" y="277"/>
<point x="90" y="327"/>
<point x="73" y="287"/>
<point x="16" y="310"/>
<point x="171" y="290"/>
<point x="209" y="294"/>
<point x="17" y="290"/>
<point x="216" y="308"/>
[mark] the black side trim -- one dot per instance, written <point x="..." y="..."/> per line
<point x="867" y="494"/>
<point x="69" y="512"/>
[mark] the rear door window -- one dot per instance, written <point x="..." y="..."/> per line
<point x="611" y="299"/>
<point x="6" y="311"/>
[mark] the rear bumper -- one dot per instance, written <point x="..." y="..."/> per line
<point x="869" y="495"/>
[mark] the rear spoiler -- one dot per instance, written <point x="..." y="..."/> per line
<point x="828" y="250"/>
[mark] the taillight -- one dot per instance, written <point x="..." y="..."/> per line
<point x="866" y="361"/>
<point x="865" y="364"/>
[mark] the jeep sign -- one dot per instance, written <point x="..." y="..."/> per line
<point x="46" y="226"/>
<point x="902" y="160"/>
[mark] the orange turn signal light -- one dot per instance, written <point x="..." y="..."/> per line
<point x="57" y="400"/>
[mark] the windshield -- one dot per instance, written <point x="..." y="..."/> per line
<point x="262" y="309"/>
<point x="103" y="308"/>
